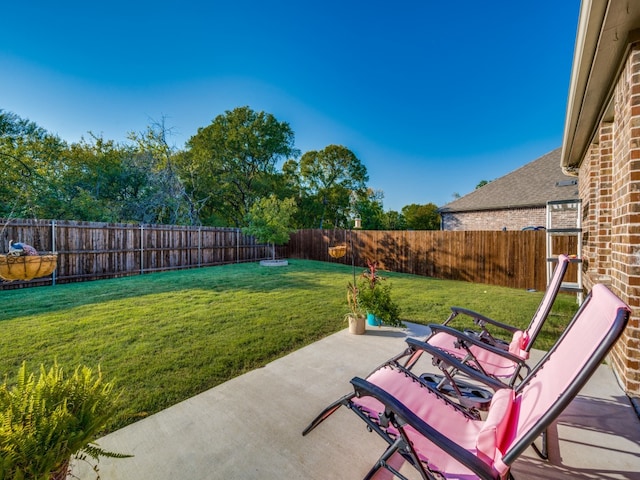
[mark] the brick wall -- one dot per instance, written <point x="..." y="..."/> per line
<point x="609" y="186"/>
<point x="587" y="187"/>
<point x="515" y="219"/>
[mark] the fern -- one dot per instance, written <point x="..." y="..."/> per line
<point x="44" y="422"/>
<point x="95" y="451"/>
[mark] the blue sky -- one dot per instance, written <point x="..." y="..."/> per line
<point x="432" y="96"/>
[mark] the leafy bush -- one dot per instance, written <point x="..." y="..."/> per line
<point x="375" y="297"/>
<point x="44" y="422"/>
<point x="378" y="302"/>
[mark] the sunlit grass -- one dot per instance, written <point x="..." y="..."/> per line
<point x="167" y="336"/>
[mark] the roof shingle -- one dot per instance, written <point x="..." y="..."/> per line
<point x="531" y="185"/>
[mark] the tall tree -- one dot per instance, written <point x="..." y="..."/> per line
<point x="421" y="217"/>
<point x="231" y="163"/>
<point x="165" y="199"/>
<point x="30" y="164"/>
<point x="394" y="221"/>
<point x="99" y="182"/>
<point x="370" y="209"/>
<point x="327" y="178"/>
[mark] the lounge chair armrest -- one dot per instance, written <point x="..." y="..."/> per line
<point x="397" y="412"/>
<point x="474" y="341"/>
<point x="454" y="362"/>
<point x="480" y="319"/>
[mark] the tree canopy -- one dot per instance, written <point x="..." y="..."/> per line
<point x="30" y="159"/>
<point x="421" y="217"/>
<point x="239" y="171"/>
<point x="325" y="180"/>
<point x="232" y="162"/>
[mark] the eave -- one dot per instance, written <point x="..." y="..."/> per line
<point x="606" y="29"/>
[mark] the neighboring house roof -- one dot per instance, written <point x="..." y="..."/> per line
<point x="606" y="29"/>
<point x="532" y="185"/>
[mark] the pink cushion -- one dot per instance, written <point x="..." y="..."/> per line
<point x="498" y="429"/>
<point x="518" y="345"/>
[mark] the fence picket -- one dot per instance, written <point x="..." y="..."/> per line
<point x="91" y="251"/>
<point x="515" y="259"/>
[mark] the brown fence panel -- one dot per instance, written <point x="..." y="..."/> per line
<point x="514" y="259"/>
<point x="91" y="250"/>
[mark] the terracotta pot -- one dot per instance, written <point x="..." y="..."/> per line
<point x="356" y="324"/>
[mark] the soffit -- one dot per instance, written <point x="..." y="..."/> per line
<point x="605" y="29"/>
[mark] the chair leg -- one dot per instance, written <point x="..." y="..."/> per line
<point x="398" y="452"/>
<point x="389" y="462"/>
<point x="326" y="413"/>
<point x="543" y="451"/>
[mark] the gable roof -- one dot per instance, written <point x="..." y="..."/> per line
<point x="532" y="185"/>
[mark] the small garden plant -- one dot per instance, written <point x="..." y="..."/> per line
<point x="45" y="421"/>
<point x="374" y="296"/>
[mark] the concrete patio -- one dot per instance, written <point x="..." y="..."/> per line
<point x="250" y="427"/>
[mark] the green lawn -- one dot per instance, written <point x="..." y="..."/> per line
<point x="167" y="336"/>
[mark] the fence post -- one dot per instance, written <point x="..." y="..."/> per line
<point x="141" y="249"/>
<point x="53" y="250"/>
<point x="199" y="246"/>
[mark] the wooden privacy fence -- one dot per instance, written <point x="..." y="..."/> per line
<point x="91" y="251"/>
<point x="515" y="259"/>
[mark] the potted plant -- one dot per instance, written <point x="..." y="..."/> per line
<point x="45" y="422"/>
<point x="355" y="317"/>
<point x="374" y="297"/>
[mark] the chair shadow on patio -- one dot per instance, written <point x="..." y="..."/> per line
<point x="598" y="428"/>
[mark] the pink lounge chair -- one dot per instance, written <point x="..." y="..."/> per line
<point x="442" y="440"/>
<point x="490" y="355"/>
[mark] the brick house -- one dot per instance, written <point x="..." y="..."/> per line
<point x="601" y="146"/>
<point x="514" y="201"/>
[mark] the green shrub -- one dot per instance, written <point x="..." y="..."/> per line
<point x="374" y="296"/>
<point x="46" y="421"/>
<point x="378" y="301"/>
